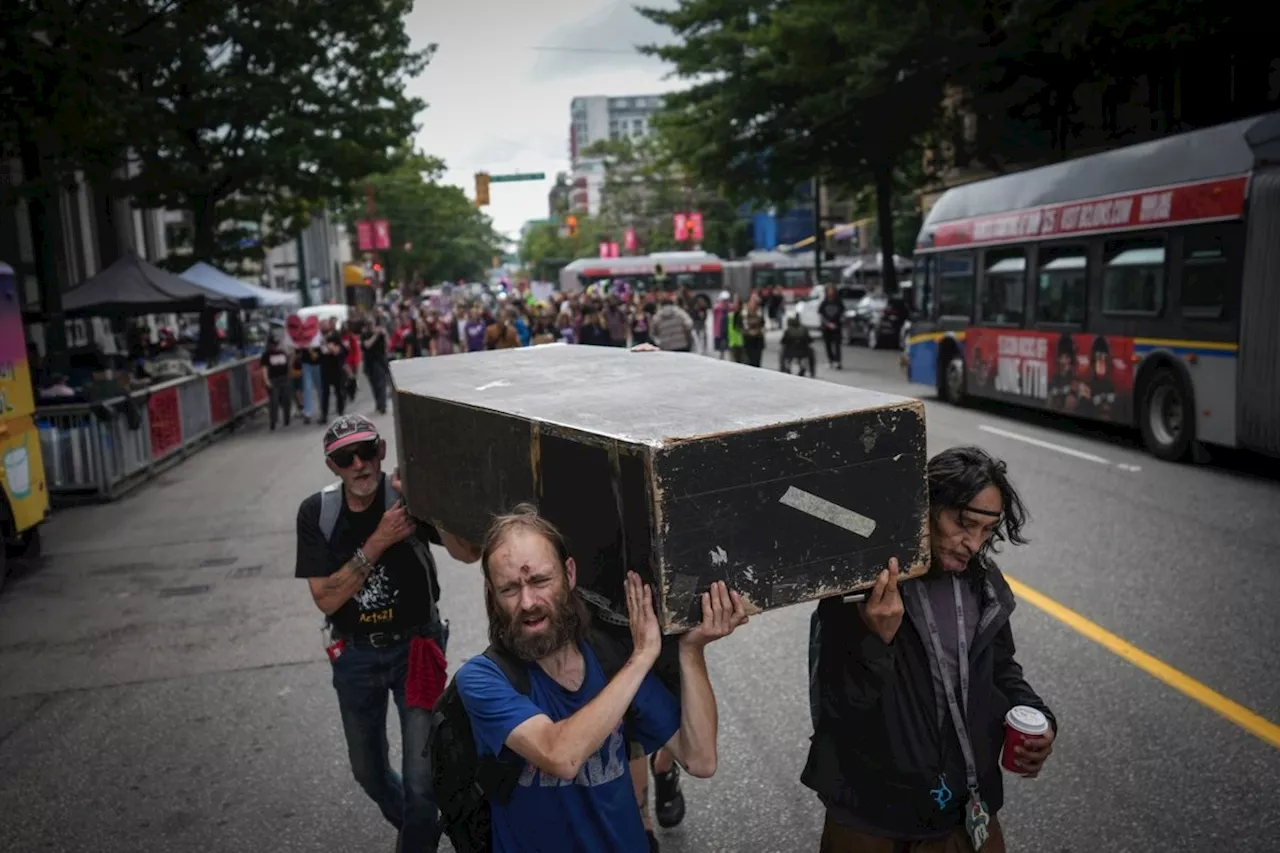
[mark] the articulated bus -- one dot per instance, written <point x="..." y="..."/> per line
<point x="698" y="271"/>
<point x="1139" y="286"/>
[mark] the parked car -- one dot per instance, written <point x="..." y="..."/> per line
<point x="877" y="320"/>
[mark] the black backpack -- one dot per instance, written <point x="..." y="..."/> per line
<point x="466" y="782"/>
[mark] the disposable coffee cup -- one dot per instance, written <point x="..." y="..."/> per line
<point x="1020" y="723"/>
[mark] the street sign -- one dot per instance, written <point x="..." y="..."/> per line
<point x="518" y="176"/>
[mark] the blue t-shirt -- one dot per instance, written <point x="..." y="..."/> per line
<point x="597" y="811"/>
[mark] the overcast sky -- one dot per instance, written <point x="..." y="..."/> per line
<point x="498" y="101"/>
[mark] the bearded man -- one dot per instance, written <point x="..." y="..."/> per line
<point x="575" y="792"/>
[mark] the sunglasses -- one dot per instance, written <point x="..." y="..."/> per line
<point x="344" y="457"/>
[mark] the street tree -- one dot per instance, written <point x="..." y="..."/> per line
<point x="437" y="233"/>
<point x="250" y="113"/>
<point x="645" y="187"/>
<point x="843" y="91"/>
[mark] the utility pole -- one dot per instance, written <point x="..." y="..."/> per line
<point x="817" y="232"/>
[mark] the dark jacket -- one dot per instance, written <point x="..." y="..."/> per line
<point x="878" y="751"/>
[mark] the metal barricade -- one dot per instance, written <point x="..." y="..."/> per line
<point x="103" y="448"/>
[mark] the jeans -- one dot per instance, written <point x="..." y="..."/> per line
<point x="310" y="389"/>
<point x="377" y="373"/>
<point x="363" y="678"/>
<point x="279" y="400"/>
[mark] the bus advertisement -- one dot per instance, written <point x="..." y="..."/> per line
<point x="24" y="499"/>
<point x="1137" y="286"/>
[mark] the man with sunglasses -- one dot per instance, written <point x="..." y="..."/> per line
<point x="372" y="576"/>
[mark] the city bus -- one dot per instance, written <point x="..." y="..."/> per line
<point x="698" y="271"/>
<point x="1139" y="286"/>
<point x="24" y="498"/>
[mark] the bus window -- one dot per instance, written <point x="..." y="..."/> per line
<point x="1133" y="277"/>
<point x="764" y="278"/>
<point x="1004" y="287"/>
<point x="922" y="288"/>
<point x="830" y="274"/>
<point x="1063" y="287"/>
<point x="955" y="285"/>
<point x="1206" y="275"/>
<point x="795" y="278"/>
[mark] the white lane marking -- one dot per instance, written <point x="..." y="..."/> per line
<point x="497" y="383"/>
<point x="1049" y="445"/>
<point x="719" y="557"/>
<point x="827" y="511"/>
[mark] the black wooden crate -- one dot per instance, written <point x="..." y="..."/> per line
<point x="687" y="469"/>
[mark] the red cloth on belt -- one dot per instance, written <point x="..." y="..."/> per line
<point x="427" y="673"/>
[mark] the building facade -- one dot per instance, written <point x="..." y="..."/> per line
<point x="599" y="118"/>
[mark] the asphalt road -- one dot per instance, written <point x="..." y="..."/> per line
<point x="163" y="685"/>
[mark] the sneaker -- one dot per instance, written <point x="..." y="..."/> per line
<point x="654" y="847"/>
<point x="668" y="798"/>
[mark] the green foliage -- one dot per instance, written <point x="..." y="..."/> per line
<point x="448" y="238"/>
<point x="246" y="112"/>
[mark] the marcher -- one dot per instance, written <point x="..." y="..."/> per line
<point x="797" y="345"/>
<point x="574" y="792"/>
<point x="752" y="323"/>
<point x="333" y="375"/>
<point x="373" y="577"/>
<point x="502" y="334"/>
<point x="908" y="718"/>
<point x="275" y="373"/>
<point x="831" y="316"/>
<point x="672" y="328"/>
<point x="376" y="367"/>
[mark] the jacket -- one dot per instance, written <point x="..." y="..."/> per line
<point x="878" y="748"/>
<point x="672" y="328"/>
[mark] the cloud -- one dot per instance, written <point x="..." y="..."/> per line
<point x="607" y="39"/>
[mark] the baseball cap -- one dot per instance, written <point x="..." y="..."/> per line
<point x="347" y="430"/>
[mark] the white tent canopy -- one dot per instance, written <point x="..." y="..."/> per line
<point x="214" y="279"/>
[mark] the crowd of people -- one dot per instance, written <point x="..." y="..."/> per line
<point x="545" y="741"/>
<point x="322" y="375"/>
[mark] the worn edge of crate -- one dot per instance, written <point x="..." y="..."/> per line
<point x="602" y="439"/>
<point x="917" y="569"/>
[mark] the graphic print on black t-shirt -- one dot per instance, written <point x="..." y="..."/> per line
<point x="397" y="594"/>
<point x="277" y="363"/>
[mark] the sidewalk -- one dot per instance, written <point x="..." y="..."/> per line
<point x="162" y="680"/>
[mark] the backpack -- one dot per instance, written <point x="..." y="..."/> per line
<point x="466" y="782"/>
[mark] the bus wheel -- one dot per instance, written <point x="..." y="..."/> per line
<point x="27" y="545"/>
<point x="951" y="379"/>
<point x="1167" y="416"/>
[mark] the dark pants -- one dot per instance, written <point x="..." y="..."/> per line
<point x="279" y="400"/>
<point x="838" y="838"/>
<point x="363" y="678"/>
<point x="333" y="385"/>
<point x="806" y="361"/>
<point x="831" y="338"/>
<point x="754" y="354"/>
<point x="377" y="373"/>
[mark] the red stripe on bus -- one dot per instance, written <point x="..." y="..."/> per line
<point x="1203" y="201"/>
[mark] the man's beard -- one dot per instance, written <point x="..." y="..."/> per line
<point x="564" y="623"/>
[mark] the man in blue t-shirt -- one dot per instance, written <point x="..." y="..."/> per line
<point x="575" y="793"/>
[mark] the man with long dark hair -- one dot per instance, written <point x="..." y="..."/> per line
<point x="911" y="687"/>
<point x="574" y="792"/>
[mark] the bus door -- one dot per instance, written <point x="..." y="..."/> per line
<point x="1257" y="403"/>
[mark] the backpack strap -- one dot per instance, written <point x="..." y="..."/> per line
<point x="498" y="775"/>
<point x="330" y="509"/>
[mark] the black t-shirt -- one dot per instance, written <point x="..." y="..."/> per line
<point x="331" y="363"/>
<point x="832" y="312"/>
<point x="375" y="346"/>
<point x="396" y="595"/>
<point x="276" y="363"/>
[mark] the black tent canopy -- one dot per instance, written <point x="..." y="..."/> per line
<point x="132" y="287"/>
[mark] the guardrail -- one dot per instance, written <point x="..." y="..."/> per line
<point x="102" y="449"/>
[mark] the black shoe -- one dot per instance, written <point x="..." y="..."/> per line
<point x="668" y="798"/>
<point x="654" y="847"/>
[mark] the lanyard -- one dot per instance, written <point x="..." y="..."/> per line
<point x="957" y="718"/>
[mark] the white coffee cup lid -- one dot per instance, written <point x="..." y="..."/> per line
<point x="1027" y="720"/>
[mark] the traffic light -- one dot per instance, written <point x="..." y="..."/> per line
<point x="482" y="189"/>
<point x="572" y="223"/>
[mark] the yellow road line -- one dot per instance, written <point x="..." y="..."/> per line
<point x="1183" y="683"/>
